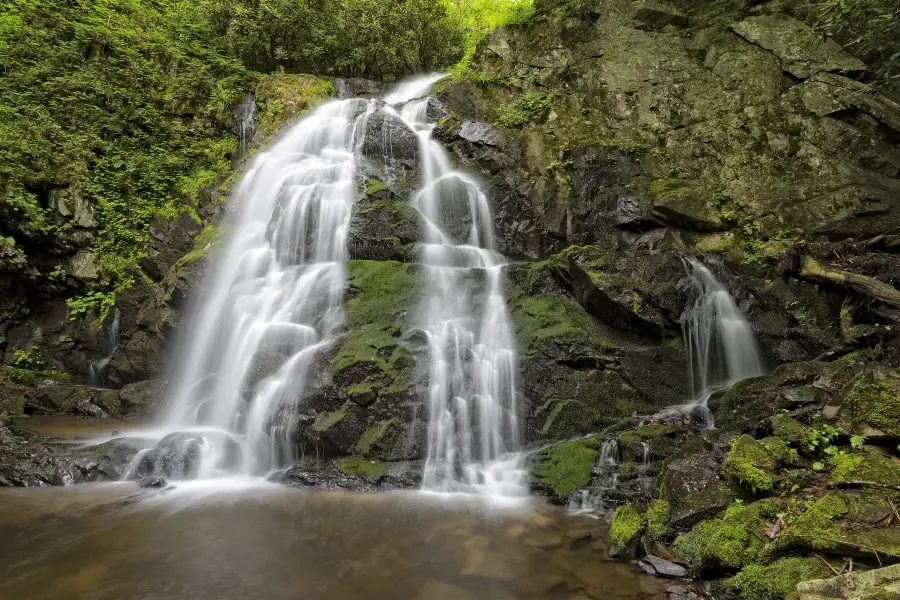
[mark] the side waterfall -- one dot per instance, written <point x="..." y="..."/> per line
<point x="720" y="341"/>
<point x="96" y="371"/>
<point x="473" y="415"/>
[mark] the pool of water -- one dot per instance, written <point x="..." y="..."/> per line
<point x="245" y="539"/>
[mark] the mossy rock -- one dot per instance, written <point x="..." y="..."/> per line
<point x="870" y="405"/>
<point x="733" y="540"/>
<point x="563" y="468"/>
<point x="864" y="469"/>
<point x="751" y="464"/>
<point x="792" y="431"/>
<point x="817" y="528"/>
<point x="625" y="531"/>
<point x="778" y="580"/>
<point x="358" y="466"/>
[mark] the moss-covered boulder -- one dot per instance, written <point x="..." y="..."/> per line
<point x="384" y="226"/>
<point x="877" y="584"/>
<point x="778" y="580"/>
<point x="563" y="468"/>
<point x="625" y="531"/>
<point x="751" y="464"/>
<point x="870" y="404"/>
<point x="732" y="541"/>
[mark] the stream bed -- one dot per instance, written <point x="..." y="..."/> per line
<point x="240" y="539"/>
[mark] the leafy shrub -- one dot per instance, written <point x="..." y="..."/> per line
<point x="533" y="106"/>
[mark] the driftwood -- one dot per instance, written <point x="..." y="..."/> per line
<point x="811" y="269"/>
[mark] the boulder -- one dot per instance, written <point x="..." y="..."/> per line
<point x="859" y="585"/>
<point x="660" y="567"/>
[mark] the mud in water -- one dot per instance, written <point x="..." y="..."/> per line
<point x="242" y="540"/>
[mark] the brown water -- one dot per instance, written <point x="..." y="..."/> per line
<point x="114" y="541"/>
<point x="69" y="428"/>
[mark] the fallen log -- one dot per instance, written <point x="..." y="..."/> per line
<point x="811" y="269"/>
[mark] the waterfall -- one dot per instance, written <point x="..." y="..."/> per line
<point x="96" y="378"/>
<point x="471" y="397"/>
<point x="273" y="301"/>
<point x="720" y="341"/>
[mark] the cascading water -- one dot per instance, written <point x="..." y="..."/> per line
<point x="273" y="302"/>
<point x="721" y="343"/>
<point x="473" y="415"/>
<point x="96" y="372"/>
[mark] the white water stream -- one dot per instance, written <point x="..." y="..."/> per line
<point x="273" y="299"/>
<point x="473" y="429"/>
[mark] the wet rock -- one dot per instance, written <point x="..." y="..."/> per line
<point x="479" y="133"/>
<point x="175" y="456"/>
<point x="659" y="567"/>
<point x="802" y="50"/>
<point x="349" y="87"/>
<point x="682" y="592"/>
<point x="140" y="398"/>
<point x="388" y="137"/>
<point x="153" y="481"/>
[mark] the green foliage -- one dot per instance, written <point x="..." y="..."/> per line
<point x="822" y="439"/>
<point x="869" y="29"/>
<point x="27" y="359"/>
<point x="479" y="17"/>
<point x="117" y="104"/>
<point x="358" y="38"/>
<point x="532" y="106"/>
<point x="98" y="302"/>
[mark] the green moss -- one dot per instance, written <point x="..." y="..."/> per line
<point x="815" y="528"/>
<point x="864" y="468"/>
<point x="790" y="430"/>
<point x="657" y="519"/>
<point x="628" y="470"/>
<point x="552" y="320"/>
<point x="532" y="106"/>
<point x="362" y="389"/>
<point x="732" y="541"/>
<point x="358" y="466"/>
<point x="283" y="97"/>
<point x="327" y="420"/>
<point x="382" y="295"/>
<point x="627" y="526"/>
<point x="204" y="243"/>
<point x="565" y="467"/>
<point x="780" y="451"/>
<point x="660" y="188"/>
<point x="373" y="186"/>
<point x="748" y="462"/>
<point x="877" y="404"/>
<point x="778" y="580"/>
<point x="372" y="436"/>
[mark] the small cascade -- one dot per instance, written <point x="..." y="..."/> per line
<point x="645" y="458"/>
<point x="96" y="378"/>
<point x="720" y="341"/>
<point x="472" y="399"/>
<point x="604" y="480"/>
